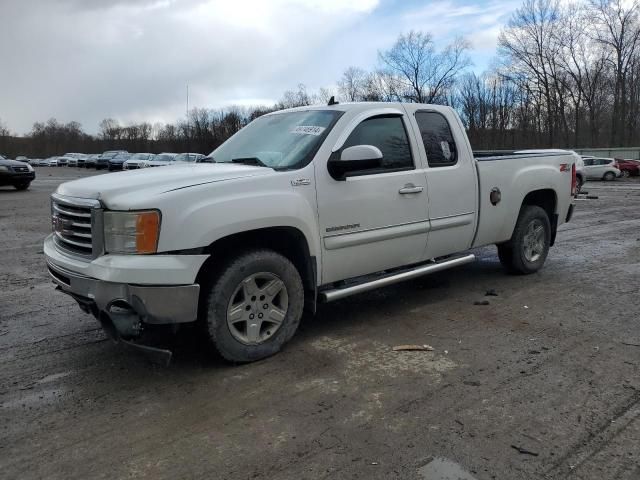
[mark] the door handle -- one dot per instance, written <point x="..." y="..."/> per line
<point x="410" y="188"/>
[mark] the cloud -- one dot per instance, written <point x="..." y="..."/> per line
<point x="132" y="59"/>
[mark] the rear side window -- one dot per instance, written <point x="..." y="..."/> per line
<point x="389" y="135"/>
<point x="437" y="139"/>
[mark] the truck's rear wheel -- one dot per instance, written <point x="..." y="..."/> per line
<point x="528" y="248"/>
<point x="253" y="306"/>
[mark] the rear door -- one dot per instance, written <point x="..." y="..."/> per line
<point x="376" y="220"/>
<point x="590" y="168"/>
<point x="451" y="180"/>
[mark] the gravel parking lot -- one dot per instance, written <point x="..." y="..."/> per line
<point x="541" y="383"/>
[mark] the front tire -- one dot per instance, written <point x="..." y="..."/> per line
<point x="22" y="186"/>
<point x="253" y="306"/>
<point x="528" y="248"/>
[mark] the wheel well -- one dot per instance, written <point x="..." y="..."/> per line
<point x="287" y="241"/>
<point x="545" y="199"/>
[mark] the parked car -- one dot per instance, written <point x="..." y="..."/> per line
<point x="63" y="161"/>
<point x="16" y="173"/>
<point x="22" y="158"/>
<point x="628" y="168"/>
<point x="91" y="160"/>
<point x="71" y="161"/>
<point x="189" y="157"/>
<point x="302" y="205"/>
<point x="51" y="162"/>
<point x="116" y="162"/>
<point x="138" y="160"/>
<point x="103" y="160"/>
<point x="600" y="168"/>
<point x="162" y="159"/>
<point x="75" y="159"/>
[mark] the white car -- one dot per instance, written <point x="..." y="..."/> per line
<point x="162" y="160"/>
<point x="600" y="168"/>
<point x="304" y="205"/>
<point x="138" y="160"/>
<point x="50" y="162"/>
<point x="71" y="161"/>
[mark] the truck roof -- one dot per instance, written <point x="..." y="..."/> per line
<point x="362" y="106"/>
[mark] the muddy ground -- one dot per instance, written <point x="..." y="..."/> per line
<point x="550" y="367"/>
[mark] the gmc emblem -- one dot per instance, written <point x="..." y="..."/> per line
<point x="59" y="224"/>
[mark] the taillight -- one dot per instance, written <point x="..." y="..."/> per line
<point x="574" y="181"/>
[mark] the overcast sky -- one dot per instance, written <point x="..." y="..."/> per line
<point x="131" y="60"/>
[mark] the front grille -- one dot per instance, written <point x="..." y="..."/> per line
<point x="20" y="169"/>
<point x="73" y="222"/>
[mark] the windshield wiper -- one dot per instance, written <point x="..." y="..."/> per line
<point x="250" y="161"/>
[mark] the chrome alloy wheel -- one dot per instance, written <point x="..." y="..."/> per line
<point x="257" y="308"/>
<point x="533" y="241"/>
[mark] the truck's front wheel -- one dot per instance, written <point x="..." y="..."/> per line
<point x="253" y="306"/>
<point x="528" y="248"/>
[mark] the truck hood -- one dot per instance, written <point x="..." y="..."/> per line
<point x="149" y="182"/>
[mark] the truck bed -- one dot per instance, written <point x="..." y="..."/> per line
<point x="525" y="171"/>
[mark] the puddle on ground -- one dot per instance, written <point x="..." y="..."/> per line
<point x="443" y="469"/>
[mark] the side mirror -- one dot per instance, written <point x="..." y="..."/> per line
<point x="355" y="159"/>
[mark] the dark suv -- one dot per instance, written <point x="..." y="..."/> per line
<point x="116" y="162"/>
<point x="17" y="174"/>
<point x="103" y="160"/>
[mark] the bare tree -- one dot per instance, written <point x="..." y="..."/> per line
<point x="530" y="47"/>
<point x="4" y="130"/>
<point x="352" y="85"/>
<point x="424" y="73"/>
<point x="618" y="28"/>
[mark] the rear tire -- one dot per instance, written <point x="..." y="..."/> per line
<point x="625" y="174"/>
<point x="252" y="307"/>
<point x="22" y="186"/>
<point x="528" y="248"/>
<point x="609" y="176"/>
<point x="579" y="183"/>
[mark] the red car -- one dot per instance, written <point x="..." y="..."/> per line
<point x="629" y="168"/>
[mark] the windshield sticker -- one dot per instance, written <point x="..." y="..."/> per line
<point x="307" y="130"/>
<point x="445" y="150"/>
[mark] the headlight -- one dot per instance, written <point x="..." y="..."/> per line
<point x="3" y="168"/>
<point x="30" y="167"/>
<point x="131" y="232"/>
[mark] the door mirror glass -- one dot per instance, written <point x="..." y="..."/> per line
<point x="355" y="159"/>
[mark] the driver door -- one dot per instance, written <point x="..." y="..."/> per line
<point x="375" y="219"/>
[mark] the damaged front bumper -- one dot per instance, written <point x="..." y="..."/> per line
<point x="124" y="309"/>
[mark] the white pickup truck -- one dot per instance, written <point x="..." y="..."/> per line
<point x="301" y="206"/>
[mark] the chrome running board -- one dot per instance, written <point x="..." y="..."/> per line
<point x="338" y="293"/>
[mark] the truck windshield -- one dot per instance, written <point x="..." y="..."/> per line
<point x="281" y="141"/>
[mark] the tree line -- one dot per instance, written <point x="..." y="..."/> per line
<point x="565" y="75"/>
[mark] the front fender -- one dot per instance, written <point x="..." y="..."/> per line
<point x="198" y="216"/>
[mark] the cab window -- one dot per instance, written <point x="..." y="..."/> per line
<point x="389" y="135"/>
<point x="437" y="138"/>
